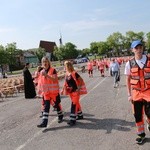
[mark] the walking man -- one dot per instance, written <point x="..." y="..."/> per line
<point x="115" y="71"/>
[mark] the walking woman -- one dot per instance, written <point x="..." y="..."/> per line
<point x="74" y="87"/>
<point x="49" y="89"/>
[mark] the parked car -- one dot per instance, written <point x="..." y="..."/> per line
<point x="78" y="60"/>
<point x="84" y="59"/>
<point x="81" y="60"/>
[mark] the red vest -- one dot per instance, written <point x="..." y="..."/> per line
<point x="89" y="66"/>
<point x="82" y="90"/>
<point x="140" y="78"/>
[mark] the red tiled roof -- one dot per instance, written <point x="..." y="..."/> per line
<point x="48" y="46"/>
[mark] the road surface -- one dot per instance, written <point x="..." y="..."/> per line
<point x="108" y="121"/>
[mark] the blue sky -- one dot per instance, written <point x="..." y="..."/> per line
<point x="80" y="22"/>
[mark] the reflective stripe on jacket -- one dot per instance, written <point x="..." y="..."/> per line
<point x="48" y="86"/>
<point x="140" y="78"/>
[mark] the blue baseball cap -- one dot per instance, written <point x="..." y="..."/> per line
<point x="136" y="43"/>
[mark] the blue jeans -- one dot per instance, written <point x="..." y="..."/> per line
<point x="115" y="75"/>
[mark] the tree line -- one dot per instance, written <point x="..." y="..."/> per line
<point x="116" y="44"/>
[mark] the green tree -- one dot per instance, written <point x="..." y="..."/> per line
<point x="85" y="52"/>
<point x="148" y="42"/>
<point x="94" y="47"/>
<point x="102" y="48"/>
<point x="11" y="55"/>
<point x="39" y="52"/>
<point x="3" y="59"/>
<point x="68" y="51"/>
<point x="59" y="52"/>
<point x="115" y="42"/>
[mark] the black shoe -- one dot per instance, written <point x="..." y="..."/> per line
<point x="79" y="118"/>
<point x="140" y="139"/>
<point x="42" y="125"/>
<point x="71" y="122"/>
<point x="60" y="119"/>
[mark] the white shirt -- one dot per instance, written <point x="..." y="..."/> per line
<point x="140" y="63"/>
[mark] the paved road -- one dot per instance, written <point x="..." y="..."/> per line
<point x="108" y="123"/>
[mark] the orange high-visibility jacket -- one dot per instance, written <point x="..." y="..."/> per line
<point x="46" y="86"/>
<point x="101" y="65"/>
<point x="140" y="78"/>
<point x="37" y="74"/>
<point x="82" y="90"/>
<point x="89" y="66"/>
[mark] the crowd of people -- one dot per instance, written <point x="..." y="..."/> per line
<point x="102" y="65"/>
<point x="137" y="81"/>
<point x="46" y="82"/>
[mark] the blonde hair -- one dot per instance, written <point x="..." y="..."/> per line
<point x="46" y="59"/>
<point x="69" y="66"/>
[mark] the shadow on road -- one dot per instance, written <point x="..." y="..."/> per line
<point x="91" y="123"/>
<point x="148" y="140"/>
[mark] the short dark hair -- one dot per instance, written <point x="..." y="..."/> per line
<point x="27" y="64"/>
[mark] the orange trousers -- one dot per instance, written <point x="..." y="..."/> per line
<point x="75" y="98"/>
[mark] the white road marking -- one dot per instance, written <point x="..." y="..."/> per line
<point x="54" y="120"/>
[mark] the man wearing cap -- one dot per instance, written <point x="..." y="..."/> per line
<point x="137" y="71"/>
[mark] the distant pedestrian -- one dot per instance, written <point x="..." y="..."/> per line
<point x="29" y="87"/>
<point x="101" y="67"/>
<point x="90" y="68"/>
<point x="1" y="76"/>
<point x="115" y="72"/>
<point x="36" y="78"/>
<point x="36" y="75"/>
<point x="137" y="71"/>
<point x="83" y="69"/>
<point x="4" y="74"/>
